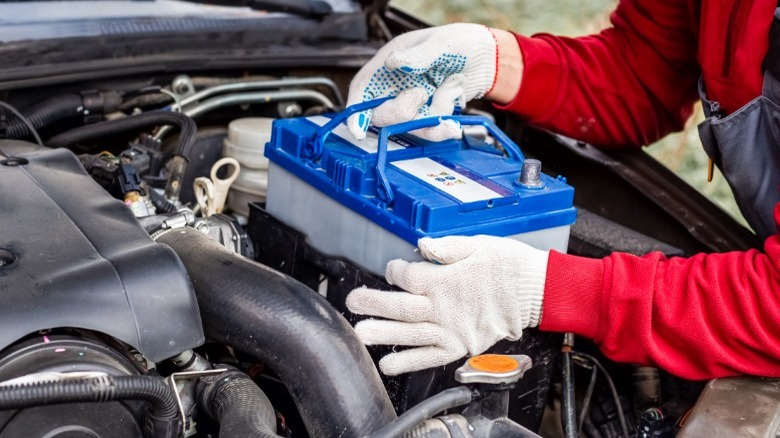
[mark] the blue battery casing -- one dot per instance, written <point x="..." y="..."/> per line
<point x="384" y="177"/>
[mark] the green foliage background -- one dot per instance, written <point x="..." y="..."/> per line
<point x="681" y="152"/>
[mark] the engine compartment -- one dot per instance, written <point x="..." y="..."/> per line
<point x="119" y="286"/>
<point x="111" y="269"/>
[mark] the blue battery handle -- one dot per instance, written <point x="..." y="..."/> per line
<point x="384" y="191"/>
<point x="314" y="149"/>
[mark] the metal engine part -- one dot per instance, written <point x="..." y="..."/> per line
<point x="64" y="265"/>
<point x="227" y="232"/>
<point x="53" y="355"/>
<point x="739" y="406"/>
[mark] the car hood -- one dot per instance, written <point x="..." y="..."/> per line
<point x="42" y="20"/>
<point x="49" y="42"/>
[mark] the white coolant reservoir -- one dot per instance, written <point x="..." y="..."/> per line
<point x="245" y="142"/>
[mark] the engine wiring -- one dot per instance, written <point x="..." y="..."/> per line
<point x="588" y="396"/>
<point x="597" y="364"/>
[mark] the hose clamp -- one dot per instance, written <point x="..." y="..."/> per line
<point x="177" y="380"/>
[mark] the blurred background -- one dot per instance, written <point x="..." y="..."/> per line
<point x="681" y="152"/>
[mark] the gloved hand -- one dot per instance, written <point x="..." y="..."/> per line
<point x="474" y="292"/>
<point x="451" y="64"/>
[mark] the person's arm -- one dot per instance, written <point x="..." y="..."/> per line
<point x="627" y="86"/>
<point x="708" y="316"/>
<point x="703" y="317"/>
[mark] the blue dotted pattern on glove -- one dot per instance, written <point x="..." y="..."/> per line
<point x="386" y="82"/>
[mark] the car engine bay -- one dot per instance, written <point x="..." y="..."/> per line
<point x="148" y="291"/>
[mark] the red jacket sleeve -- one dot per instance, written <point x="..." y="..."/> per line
<point x="629" y="85"/>
<point x="702" y="317"/>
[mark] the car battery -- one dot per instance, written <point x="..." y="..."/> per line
<point x="370" y="200"/>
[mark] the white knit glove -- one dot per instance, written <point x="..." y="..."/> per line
<point x="477" y="291"/>
<point x="452" y="64"/>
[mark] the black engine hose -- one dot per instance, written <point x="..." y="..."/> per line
<point x="178" y="164"/>
<point x="188" y="130"/>
<point x="293" y="330"/>
<point x="414" y="417"/>
<point x="237" y="404"/>
<point x="50" y="110"/>
<point x="163" y="418"/>
<point x="160" y="203"/>
<point x="568" y="406"/>
<point x="65" y="106"/>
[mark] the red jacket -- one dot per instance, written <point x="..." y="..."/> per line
<point x="703" y="317"/>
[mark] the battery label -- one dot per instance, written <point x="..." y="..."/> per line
<point x="369" y="144"/>
<point x="455" y="184"/>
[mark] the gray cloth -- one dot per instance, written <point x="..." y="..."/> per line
<point x="745" y="145"/>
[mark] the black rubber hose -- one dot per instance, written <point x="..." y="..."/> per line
<point x="238" y="405"/>
<point x="293" y="330"/>
<point x="568" y="407"/>
<point x="447" y="399"/>
<point x="187" y="130"/>
<point x="50" y="110"/>
<point x="164" y="412"/>
<point x="19" y="116"/>
<point x="161" y="204"/>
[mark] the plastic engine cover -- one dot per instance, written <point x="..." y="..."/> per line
<point x="72" y="256"/>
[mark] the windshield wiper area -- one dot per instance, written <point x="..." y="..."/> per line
<point x="303" y="8"/>
<point x="306" y="8"/>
